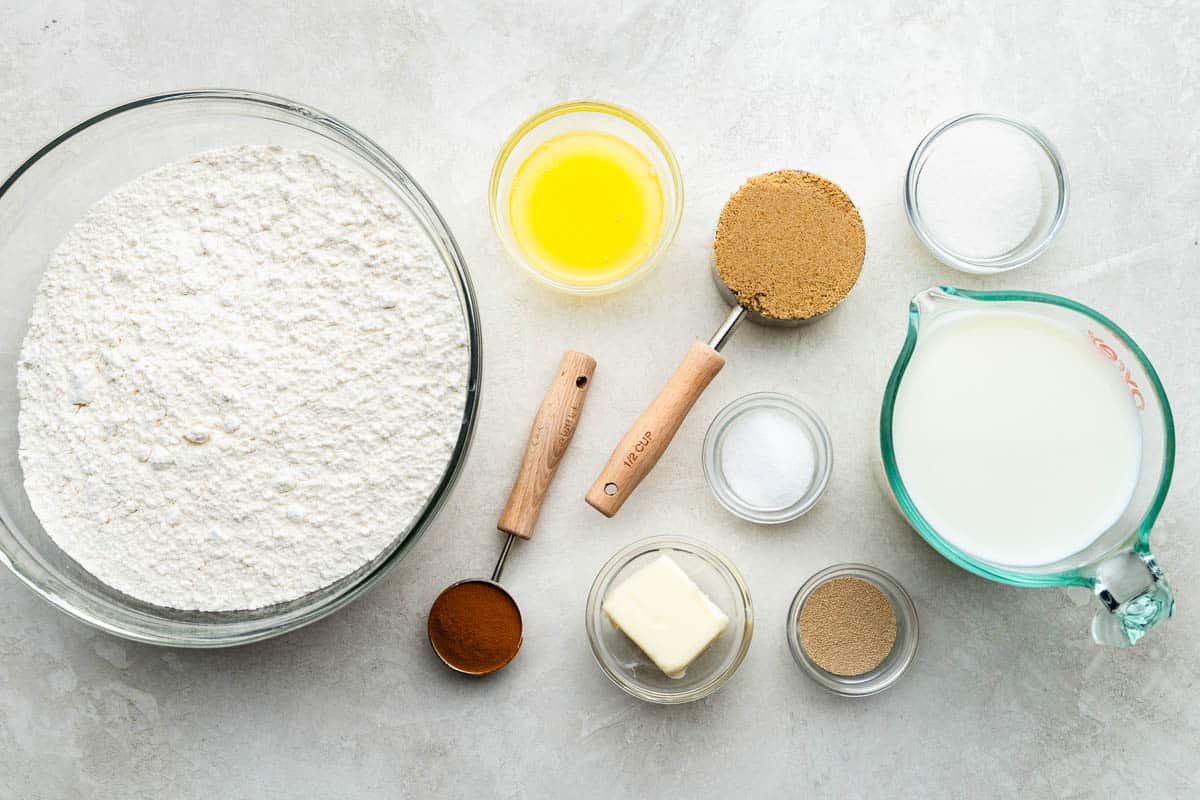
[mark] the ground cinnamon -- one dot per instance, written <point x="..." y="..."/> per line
<point x="475" y="627"/>
<point x="789" y="244"/>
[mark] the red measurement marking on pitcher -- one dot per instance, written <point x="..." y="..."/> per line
<point x="1135" y="391"/>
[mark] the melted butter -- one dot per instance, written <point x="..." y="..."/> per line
<point x="586" y="207"/>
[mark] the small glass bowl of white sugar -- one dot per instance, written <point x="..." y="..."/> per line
<point x="986" y="193"/>
<point x="767" y="457"/>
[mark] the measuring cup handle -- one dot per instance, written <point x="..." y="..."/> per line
<point x="552" y="430"/>
<point x="645" y="442"/>
<point x="1135" y="595"/>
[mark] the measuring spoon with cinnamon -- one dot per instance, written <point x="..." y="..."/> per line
<point x="475" y="625"/>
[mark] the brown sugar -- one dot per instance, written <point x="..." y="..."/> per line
<point x="789" y="244"/>
<point x="847" y="626"/>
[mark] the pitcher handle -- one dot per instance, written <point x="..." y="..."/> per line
<point x="1135" y="595"/>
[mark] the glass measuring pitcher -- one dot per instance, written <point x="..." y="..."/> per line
<point x="1117" y="566"/>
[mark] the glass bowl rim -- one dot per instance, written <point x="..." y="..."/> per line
<point x="363" y="148"/>
<point x="888" y="585"/>
<point x="823" y="468"/>
<point x="618" y="562"/>
<point x="1008" y="261"/>
<point x="670" y="224"/>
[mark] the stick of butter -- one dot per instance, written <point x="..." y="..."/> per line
<point x="666" y="614"/>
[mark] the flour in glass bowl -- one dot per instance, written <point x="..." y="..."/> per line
<point x="244" y="376"/>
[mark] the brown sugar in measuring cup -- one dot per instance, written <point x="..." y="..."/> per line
<point x="789" y="246"/>
<point x="474" y="625"/>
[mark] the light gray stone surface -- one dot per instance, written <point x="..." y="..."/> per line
<point x="1007" y="696"/>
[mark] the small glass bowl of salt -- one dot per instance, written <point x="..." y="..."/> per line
<point x="767" y="457"/>
<point x="986" y="193"/>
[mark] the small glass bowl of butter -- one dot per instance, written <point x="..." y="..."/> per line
<point x="719" y="583"/>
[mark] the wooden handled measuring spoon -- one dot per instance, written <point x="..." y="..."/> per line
<point x="783" y="235"/>
<point x="475" y="625"/>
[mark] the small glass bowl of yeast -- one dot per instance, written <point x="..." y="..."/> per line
<point x="889" y="670"/>
<point x="586" y="197"/>
<point x="624" y="663"/>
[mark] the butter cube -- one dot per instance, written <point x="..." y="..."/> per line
<point x="666" y="614"/>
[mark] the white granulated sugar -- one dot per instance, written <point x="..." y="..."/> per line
<point x="244" y="376"/>
<point x="768" y="458"/>
<point x="980" y="190"/>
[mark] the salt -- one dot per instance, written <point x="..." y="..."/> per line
<point x="768" y="458"/>
<point x="980" y="190"/>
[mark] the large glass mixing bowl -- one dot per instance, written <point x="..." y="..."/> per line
<point x="45" y="197"/>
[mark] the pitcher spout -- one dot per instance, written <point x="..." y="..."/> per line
<point x="934" y="302"/>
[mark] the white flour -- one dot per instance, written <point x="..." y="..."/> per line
<point x="244" y="375"/>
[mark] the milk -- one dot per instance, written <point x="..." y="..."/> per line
<point x="1016" y="439"/>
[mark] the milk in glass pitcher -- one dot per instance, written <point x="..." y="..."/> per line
<point x="1028" y="439"/>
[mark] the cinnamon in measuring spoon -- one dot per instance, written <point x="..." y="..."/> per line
<point x="475" y="627"/>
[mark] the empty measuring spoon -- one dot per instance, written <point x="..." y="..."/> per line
<point x="475" y="625"/>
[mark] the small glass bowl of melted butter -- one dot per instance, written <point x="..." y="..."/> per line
<point x="586" y="196"/>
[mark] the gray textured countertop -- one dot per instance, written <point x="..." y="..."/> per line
<point x="1007" y="696"/>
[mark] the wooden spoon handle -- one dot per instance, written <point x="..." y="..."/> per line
<point x="552" y="430"/>
<point x="645" y="442"/>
